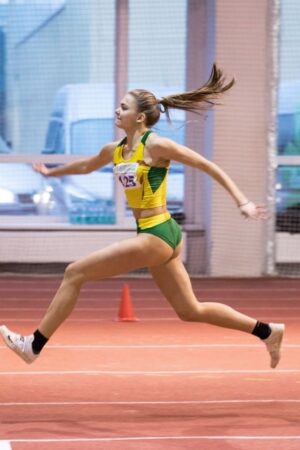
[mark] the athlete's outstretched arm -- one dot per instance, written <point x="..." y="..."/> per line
<point x="170" y="150"/>
<point x="81" y="166"/>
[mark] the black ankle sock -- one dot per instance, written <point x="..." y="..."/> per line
<point x="38" y="342"/>
<point x="262" y="330"/>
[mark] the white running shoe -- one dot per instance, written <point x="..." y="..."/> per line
<point x="21" y="345"/>
<point x="273" y="342"/>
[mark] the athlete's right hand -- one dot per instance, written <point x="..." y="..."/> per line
<point x="41" y="168"/>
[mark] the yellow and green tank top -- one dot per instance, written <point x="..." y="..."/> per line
<point x="145" y="186"/>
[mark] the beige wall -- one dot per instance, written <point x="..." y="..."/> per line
<point x="240" y="134"/>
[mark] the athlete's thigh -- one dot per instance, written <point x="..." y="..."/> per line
<point x="144" y="250"/>
<point x="175" y="284"/>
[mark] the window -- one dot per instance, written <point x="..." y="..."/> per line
<point x="55" y="138"/>
<point x="88" y="136"/>
<point x="288" y="121"/>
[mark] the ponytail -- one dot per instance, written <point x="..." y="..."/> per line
<point x="195" y="100"/>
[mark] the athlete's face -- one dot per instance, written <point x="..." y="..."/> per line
<point x="127" y="115"/>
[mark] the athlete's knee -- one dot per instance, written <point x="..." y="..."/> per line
<point x="74" y="274"/>
<point x="187" y="315"/>
<point x="191" y="314"/>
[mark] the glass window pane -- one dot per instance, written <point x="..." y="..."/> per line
<point x="55" y="138"/>
<point x="18" y="185"/>
<point x="157" y="44"/>
<point x="4" y="147"/>
<point x="289" y="79"/>
<point x="288" y="199"/>
<point x="174" y="130"/>
<point x="54" y="52"/>
<point x="89" y="198"/>
<point x="288" y="119"/>
<point x="75" y="199"/>
<point x="88" y="136"/>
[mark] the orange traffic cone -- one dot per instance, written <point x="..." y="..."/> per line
<point x="126" y="312"/>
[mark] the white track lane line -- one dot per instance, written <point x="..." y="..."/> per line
<point x="150" y="373"/>
<point x="160" y="438"/>
<point x="111" y="308"/>
<point x="271" y="318"/>
<point x="150" y="308"/>
<point x="5" y="445"/>
<point x="141" y="299"/>
<point x="158" y="346"/>
<point x="84" y="290"/>
<point x="153" y="402"/>
<point x="147" y="289"/>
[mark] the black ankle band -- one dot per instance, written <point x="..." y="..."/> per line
<point x="38" y="342"/>
<point x="262" y="330"/>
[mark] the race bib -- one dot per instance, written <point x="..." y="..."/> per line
<point x="127" y="175"/>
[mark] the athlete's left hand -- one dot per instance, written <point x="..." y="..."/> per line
<point x="252" y="211"/>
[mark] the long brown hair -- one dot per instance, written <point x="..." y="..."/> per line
<point x="194" y="101"/>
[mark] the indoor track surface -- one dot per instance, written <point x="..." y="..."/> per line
<point x="154" y="384"/>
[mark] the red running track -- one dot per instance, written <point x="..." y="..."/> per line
<point x="155" y="384"/>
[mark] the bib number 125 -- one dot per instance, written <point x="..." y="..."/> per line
<point x="128" y="181"/>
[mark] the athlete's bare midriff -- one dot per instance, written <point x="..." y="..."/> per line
<point x="140" y="213"/>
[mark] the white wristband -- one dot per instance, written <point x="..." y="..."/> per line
<point x="244" y="204"/>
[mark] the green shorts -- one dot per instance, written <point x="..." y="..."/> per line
<point x="168" y="231"/>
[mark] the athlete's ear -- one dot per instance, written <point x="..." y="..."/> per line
<point x="141" y="118"/>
